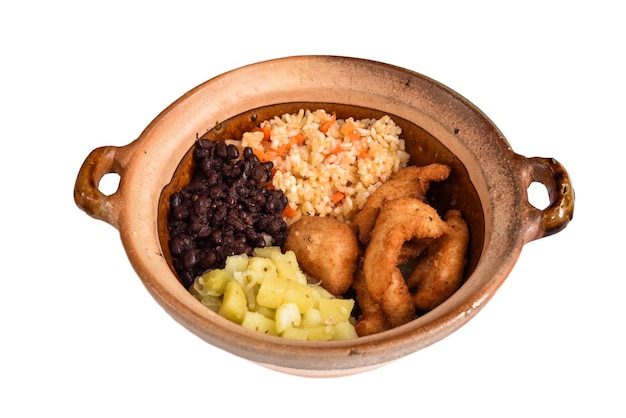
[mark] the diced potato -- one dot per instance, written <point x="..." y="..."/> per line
<point x="296" y="333"/>
<point x="272" y="292"/>
<point x="236" y="263"/>
<point x="276" y="291"/>
<point x="287" y="315"/>
<point x="300" y="294"/>
<point x="311" y="318"/>
<point x="320" y="292"/>
<point x="287" y="266"/>
<point x="321" y="332"/>
<point x="234" y="305"/>
<point x="213" y="282"/>
<point x="335" y="310"/>
<point x="344" y="331"/>
<point x="265" y="311"/>
<point x="260" y="269"/>
<point x="266" y="252"/>
<point x="259" y="322"/>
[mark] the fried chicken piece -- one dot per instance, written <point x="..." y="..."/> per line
<point x="440" y="273"/>
<point x="326" y="249"/>
<point x="399" y="221"/>
<point x="397" y="302"/>
<point x="411" y="181"/>
<point x="412" y="249"/>
<point x="372" y="320"/>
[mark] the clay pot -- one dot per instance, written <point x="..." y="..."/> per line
<point x="489" y="185"/>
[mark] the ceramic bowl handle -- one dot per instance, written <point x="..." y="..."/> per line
<point x="87" y="195"/>
<point x="560" y="211"/>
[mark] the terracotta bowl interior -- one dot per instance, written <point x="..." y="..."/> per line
<point x="456" y="192"/>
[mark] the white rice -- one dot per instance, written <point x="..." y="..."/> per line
<point x="348" y="164"/>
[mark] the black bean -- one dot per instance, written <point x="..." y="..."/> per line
<point x="195" y="186"/>
<point x="232" y="152"/>
<point x="202" y="206"/>
<point x="236" y="223"/>
<point x="217" y="192"/>
<point x="209" y="166"/>
<point x="207" y="259"/>
<point x="239" y="247"/>
<point x="217" y="238"/>
<point x="249" y="155"/>
<point x="186" y="277"/>
<point x="274" y="226"/>
<point x="204" y="148"/>
<point x="196" y="225"/>
<point x="178" y="245"/>
<point x="283" y="201"/>
<point x="232" y="172"/>
<point x="213" y="179"/>
<point x="180" y="213"/>
<point x="221" y="150"/>
<point x="190" y="258"/>
<point x="176" y="199"/>
<point x="205" y="231"/>
<point x="259" y="174"/>
<point x="259" y="242"/>
<point x="204" y="144"/>
<point x="230" y="201"/>
<point x="220" y="214"/>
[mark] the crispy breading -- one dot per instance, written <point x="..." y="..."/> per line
<point x="413" y="248"/>
<point x="397" y="302"/>
<point x="326" y="249"/>
<point x="440" y="273"/>
<point x="371" y="320"/>
<point x="399" y="221"/>
<point x="410" y="181"/>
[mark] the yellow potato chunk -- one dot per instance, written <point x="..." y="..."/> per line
<point x="260" y="269"/>
<point x="276" y="291"/>
<point x="312" y="317"/>
<point x="296" y="334"/>
<point x="287" y="316"/>
<point x="335" y="310"/>
<point x="320" y="333"/>
<point x="234" y="305"/>
<point x="259" y="322"/>
<point x="344" y="331"/>
<point x="213" y="282"/>
<point x="236" y="263"/>
<point x="287" y="266"/>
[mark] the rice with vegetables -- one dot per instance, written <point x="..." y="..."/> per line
<point x="328" y="166"/>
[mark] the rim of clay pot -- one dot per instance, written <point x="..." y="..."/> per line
<point x="499" y="175"/>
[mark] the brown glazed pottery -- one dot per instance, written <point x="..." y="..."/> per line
<point x="489" y="184"/>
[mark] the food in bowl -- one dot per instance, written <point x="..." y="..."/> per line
<point x="488" y="183"/>
<point x="328" y="166"/>
<point x="339" y="196"/>
<point x="269" y="293"/>
<point x="226" y="209"/>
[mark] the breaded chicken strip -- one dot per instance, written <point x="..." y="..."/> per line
<point x="372" y="320"/>
<point x="326" y="249"/>
<point x="399" y="221"/>
<point x="440" y="273"/>
<point x="397" y="302"/>
<point x="411" y="181"/>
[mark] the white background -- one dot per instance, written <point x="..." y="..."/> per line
<point x="81" y="337"/>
